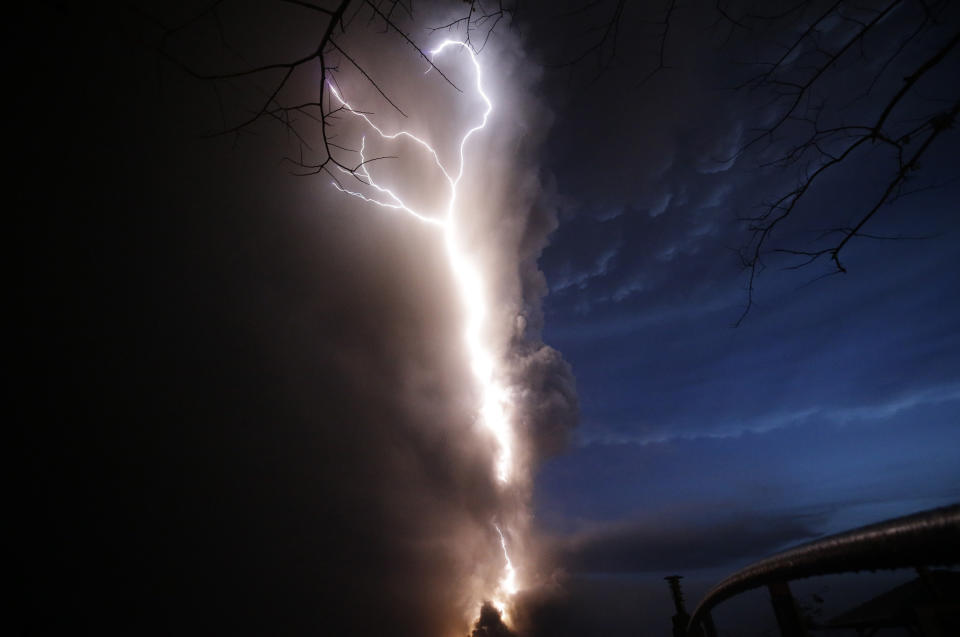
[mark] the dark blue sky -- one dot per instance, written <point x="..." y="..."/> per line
<point x="835" y="402"/>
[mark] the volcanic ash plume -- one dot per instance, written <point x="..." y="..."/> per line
<point x="461" y="169"/>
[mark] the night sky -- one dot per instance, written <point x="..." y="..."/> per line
<point x="238" y="403"/>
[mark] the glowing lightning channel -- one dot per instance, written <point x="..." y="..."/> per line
<point x="494" y="396"/>
<point x="508" y="584"/>
<point x="364" y="175"/>
<point x="495" y="405"/>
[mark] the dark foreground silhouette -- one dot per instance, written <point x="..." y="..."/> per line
<point x="489" y="624"/>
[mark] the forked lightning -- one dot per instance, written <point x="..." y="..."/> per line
<point x="495" y="408"/>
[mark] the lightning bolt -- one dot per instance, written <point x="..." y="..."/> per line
<point x="495" y="407"/>
<point x="508" y="583"/>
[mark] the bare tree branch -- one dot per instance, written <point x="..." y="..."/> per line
<point x="273" y="78"/>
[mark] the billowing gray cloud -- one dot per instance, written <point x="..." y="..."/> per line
<point x="547" y="404"/>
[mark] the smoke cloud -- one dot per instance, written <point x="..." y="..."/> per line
<point x="257" y="416"/>
<point x="505" y="215"/>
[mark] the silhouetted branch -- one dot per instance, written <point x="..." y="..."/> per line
<point x="480" y="18"/>
<point x="662" y="46"/>
<point x="833" y="146"/>
<point x="275" y="79"/>
<point x="604" y="49"/>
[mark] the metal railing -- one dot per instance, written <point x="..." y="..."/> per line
<point x="929" y="538"/>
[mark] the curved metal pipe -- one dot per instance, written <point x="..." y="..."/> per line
<point x="927" y="538"/>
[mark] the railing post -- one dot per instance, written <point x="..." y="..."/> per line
<point x="786" y="611"/>
<point x="680" y="618"/>
<point x="709" y="630"/>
